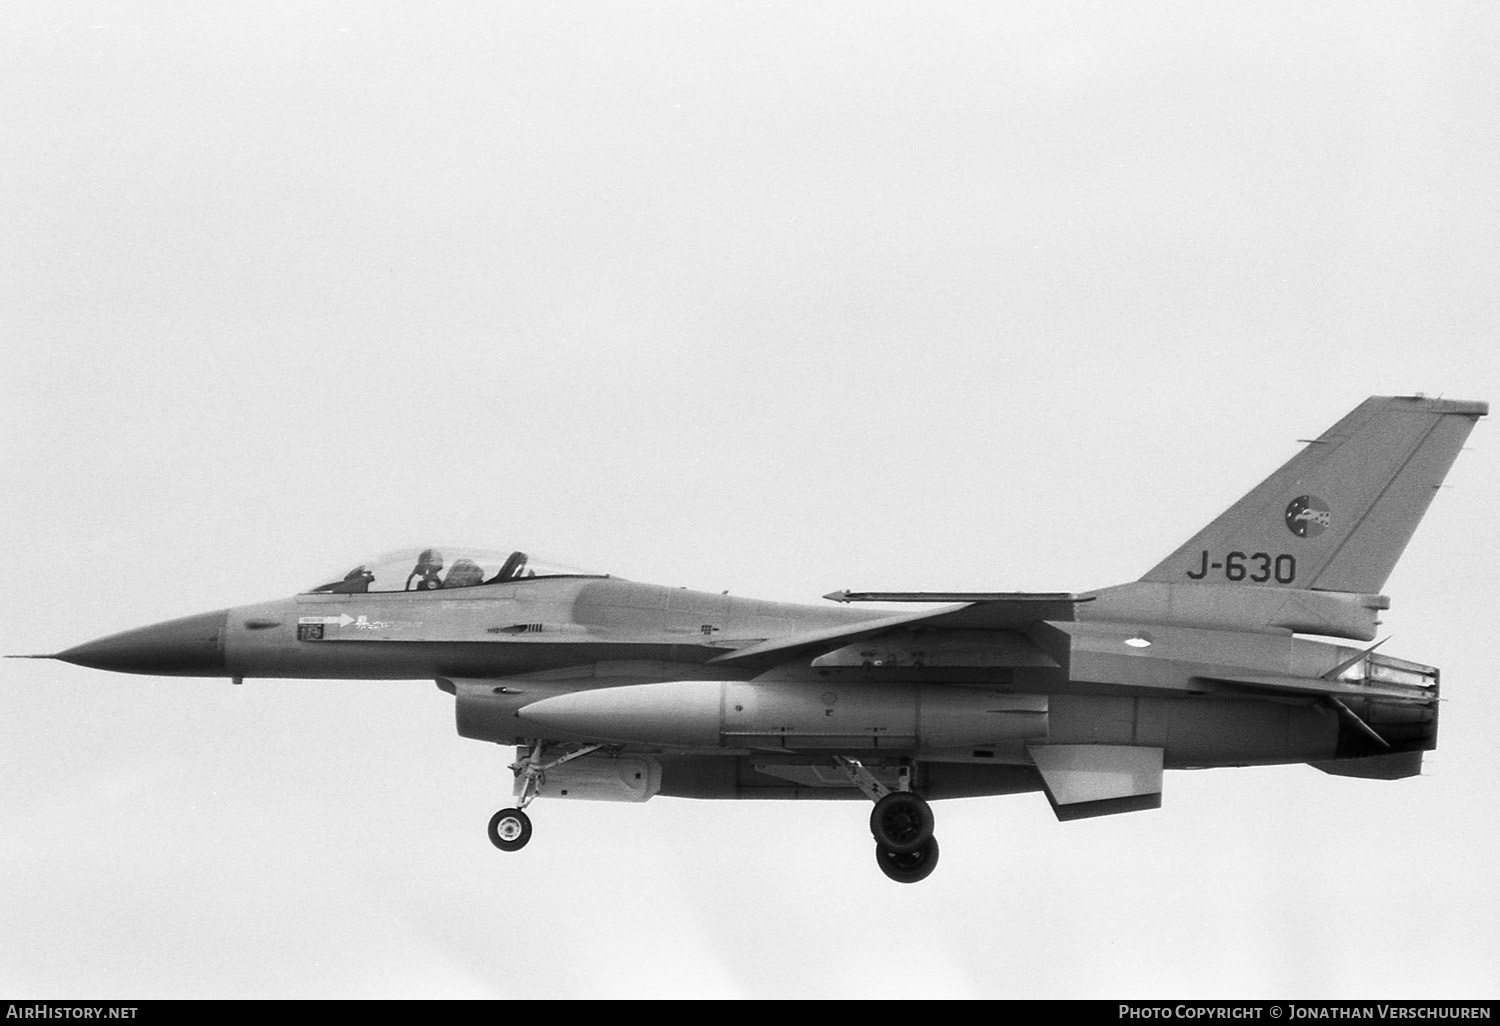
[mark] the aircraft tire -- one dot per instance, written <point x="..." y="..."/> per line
<point x="901" y="822"/>
<point x="510" y="829"/>
<point x="908" y="866"/>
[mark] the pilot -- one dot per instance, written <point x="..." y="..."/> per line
<point x="465" y="573"/>
<point x="429" y="565"/>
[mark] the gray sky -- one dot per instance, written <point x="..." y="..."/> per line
<point x="774" y="298"/>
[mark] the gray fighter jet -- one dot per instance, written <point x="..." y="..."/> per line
<point x="618" y="691"/>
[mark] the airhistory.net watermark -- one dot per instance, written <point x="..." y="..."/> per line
<point x="42" y="1010"/>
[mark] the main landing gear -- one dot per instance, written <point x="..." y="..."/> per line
<point x="901" y="823"/>
<point x="510" y="829"/>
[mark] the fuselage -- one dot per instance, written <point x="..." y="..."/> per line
<point x="1086" y="681"/>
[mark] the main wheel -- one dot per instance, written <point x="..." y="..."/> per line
<point x="901" y="821"/>
<point x="908" y="866"/>
<point x="510" y="829"/>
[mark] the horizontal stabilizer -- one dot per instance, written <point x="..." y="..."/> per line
<point x="1083" y="781"/>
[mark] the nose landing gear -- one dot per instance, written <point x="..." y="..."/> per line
<point x="901" y="823"/>
<point x="510" y="829"/>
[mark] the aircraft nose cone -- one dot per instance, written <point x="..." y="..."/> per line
<point x="192" y="646"/>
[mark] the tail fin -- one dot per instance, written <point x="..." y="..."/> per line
<point x="1338" y="515"/>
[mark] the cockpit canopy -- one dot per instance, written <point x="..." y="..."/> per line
<point x="438" y="568"/>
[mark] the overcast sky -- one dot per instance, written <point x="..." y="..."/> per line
<point x="774" y="298"/>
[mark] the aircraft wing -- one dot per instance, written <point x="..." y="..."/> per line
<point x="1001" y="611"/>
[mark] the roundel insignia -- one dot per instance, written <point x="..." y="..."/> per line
<point x="1308" y="516"/>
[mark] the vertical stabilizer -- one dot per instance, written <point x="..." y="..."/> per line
<point x="1338" y="515"/>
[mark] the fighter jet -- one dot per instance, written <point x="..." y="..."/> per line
<point x="613" y="690"/>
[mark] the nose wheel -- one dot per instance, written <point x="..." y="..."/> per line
<point x="510" y="829"/>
